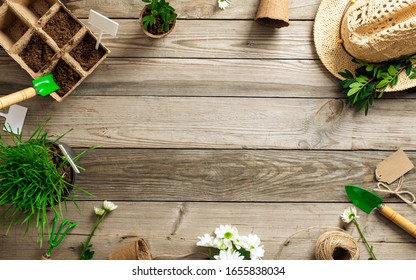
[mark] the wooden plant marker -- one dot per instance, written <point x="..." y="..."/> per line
<point x="104" y="24"/>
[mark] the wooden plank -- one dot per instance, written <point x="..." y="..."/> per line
<point x="189" y="9"/>
<point x="208" y="39"/>
<point x="173" y="228"/>
<point x="231" y="175"/>
<point x="195" y="77"/>
<point x="226" y="123"/>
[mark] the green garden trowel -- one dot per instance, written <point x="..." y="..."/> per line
<point x="43" y="86"/>
<point x="367" y="201"/>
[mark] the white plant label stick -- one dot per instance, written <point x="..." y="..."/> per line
<point x="104" y="24"/>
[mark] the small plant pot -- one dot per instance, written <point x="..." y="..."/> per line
<point x="151" y="35"/>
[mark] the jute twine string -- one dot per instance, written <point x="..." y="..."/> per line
<point x="335" y="244"/>
<point x="406" y="196"/>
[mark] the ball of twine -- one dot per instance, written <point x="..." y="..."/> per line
<point x="336" y="245"/>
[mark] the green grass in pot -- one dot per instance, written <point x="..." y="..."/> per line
<point x="33" y="181"/>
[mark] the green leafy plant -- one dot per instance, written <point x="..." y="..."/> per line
<point x="158" y="17"/>
<point x="371" y="80"/>
<point x="34" y="180"/>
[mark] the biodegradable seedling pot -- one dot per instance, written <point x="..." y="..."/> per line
<point x="44" y="37"/>
<point x="145" y="11"/>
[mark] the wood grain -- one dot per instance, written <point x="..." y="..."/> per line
<point x="226" y="123"/>
<point x="189" y="9"/>
<point x="231" y="175"/>
<point x="173" y="228"/>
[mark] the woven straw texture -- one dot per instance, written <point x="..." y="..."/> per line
<point x="372" y="30"/>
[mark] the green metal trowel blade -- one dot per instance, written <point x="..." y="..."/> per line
<point x="45" y="85"/>
<point x="363" y="199"/>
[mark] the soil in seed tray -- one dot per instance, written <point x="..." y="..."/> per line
<point x="40" y="7"/>
<point x="16" y="30"/>
<point x="37" y="53"/>
<point x="86" y="54"/>
<point x="62" y="27"/>
<point x="65" y="77"/>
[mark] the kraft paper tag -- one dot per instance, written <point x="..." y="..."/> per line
<point x="393" y="167"/>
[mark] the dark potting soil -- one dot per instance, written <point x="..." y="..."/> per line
<point x="40" y="7"/>
<point x="37" y="54"/>
<point x="62" y="27"/>
<point x="86" y="54"/>
<point x="57" y="160"/>
<point x="65" y="77"/>
<point x="16" y="30"/>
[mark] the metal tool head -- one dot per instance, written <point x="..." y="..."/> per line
<point x="363" y="199"/>
<point x="15" y="119"/>
<point x="45" y="85"/>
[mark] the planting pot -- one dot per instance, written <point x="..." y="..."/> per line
<point x="71" y="154"/>
<point x="151" y="35"/>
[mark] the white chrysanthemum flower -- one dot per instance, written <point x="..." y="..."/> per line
<point x="349" y="214"/>
<point x="206" y="241"/>
<point x="250" y="242"/>
<point x="99" y="211"/>
<point x="228" y="255"/>
<point x="228" y="234"/>
<point x="257" y="253"/>
<point x="222" y="4"/>
<point x="109" y="206"/>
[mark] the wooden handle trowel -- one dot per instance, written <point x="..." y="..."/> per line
<point x="43" y="86"/>
<point x="367" y="201"/>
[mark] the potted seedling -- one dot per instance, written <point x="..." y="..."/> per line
<point x="158" y="18"/>
<point x="37" y="176"/>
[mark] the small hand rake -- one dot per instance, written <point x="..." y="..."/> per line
<point x="57" y="238"/>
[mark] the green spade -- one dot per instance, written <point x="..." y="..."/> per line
<point x="43" y="86"/>
<point x="367" y="201"/>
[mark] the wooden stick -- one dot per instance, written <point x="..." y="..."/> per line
<point x="17" y="97"/>
<point x="398" y="219"/>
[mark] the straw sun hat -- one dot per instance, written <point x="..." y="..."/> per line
<point x="369" y="30"/>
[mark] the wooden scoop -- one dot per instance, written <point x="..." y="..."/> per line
<point x="43" y="86"/>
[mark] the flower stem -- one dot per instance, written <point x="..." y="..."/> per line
<point x="369" y="248"/>
<point x="97" y="223"/>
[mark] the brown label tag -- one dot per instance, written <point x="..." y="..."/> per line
<point x="393" y="167"/>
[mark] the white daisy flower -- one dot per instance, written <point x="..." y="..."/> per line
<point x="349" y="214"/>
<point x="109" y="206"/>
<point x="250" y="242"/>
<point x="257" y="253"/>
<point x="228" y="234"/>
<point x="228" y="255"/>
<point x="206" y="241"/>
<point x="222" y="4"/>
<point x="99" y="211"/>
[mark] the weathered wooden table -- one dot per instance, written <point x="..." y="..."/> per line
<point x="222" y="122"/>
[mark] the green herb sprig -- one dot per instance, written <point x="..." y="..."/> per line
<point x="371" y="80"/>
<point x="161" y="17"/>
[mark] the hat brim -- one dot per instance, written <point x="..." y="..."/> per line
<point x="327" y="38"/>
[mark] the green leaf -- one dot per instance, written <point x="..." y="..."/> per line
<point x="369" y="67"/>
<point x="362" y="79"/>
<point x="392" y="70"/>
<point x="413" y="76"/>
<point x="382" y="84"/>
<point x="395" y="80"/>
<point x="356" y="85"/>
<point x="353" y="91"/>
